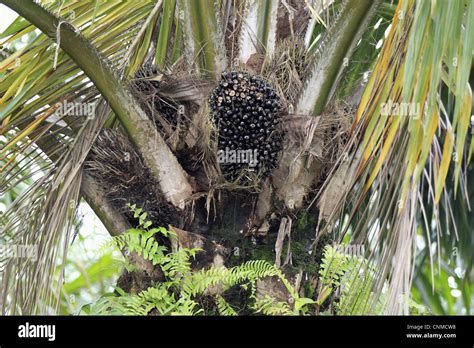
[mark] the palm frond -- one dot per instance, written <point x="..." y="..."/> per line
<point x="58" y="192"/>
<point x="204" y="40"/>
<point x="37" y="134"/>
<point x="259" y="27"/>
<point x="401" y="151"/>
<point x="353" y="18"/>
<point x="298" y="168"/>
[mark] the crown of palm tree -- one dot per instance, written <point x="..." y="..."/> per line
<point x="408" y="135"/>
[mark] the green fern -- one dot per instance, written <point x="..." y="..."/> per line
<point x="224" y="307"/>
<point x="141" y="242"/>
<point x="353" y="277"/>
<point x="178" y="293"/>
<point x="333" y="266"/>
<point x="270" y="306"/>
<point x="142" y="239"/>
<point x="200" y="281"/>
<point x="251" y="271"/>
<point x="177" y="265"/>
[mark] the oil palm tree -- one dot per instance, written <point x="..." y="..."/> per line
<point x="371" y="137"/>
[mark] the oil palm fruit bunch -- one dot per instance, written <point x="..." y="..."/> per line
<point x="246" y="112"/>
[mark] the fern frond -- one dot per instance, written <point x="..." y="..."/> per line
<point x="159" y="298"/>
<point x="224" y="307"/>
<point x="250" y="270"/>
<point x="186" y="306"/>
<point x="354" y="277"/>
<point x="143" y="243"/>
<point x="333" y="266"/>
<point x="177" y="263"/>
<point x="200" y="281"/>
<point x="269" y="306"/>
<point x="176" y="295"/>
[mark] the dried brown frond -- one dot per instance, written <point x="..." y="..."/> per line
<point x="233" y="24"/>
<point x="171" y="100"/>
<point x="115" y="164"/>
<point x="334" y="127"/>
<point x="287" y="69"/>
<point x="293" y="18"/>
